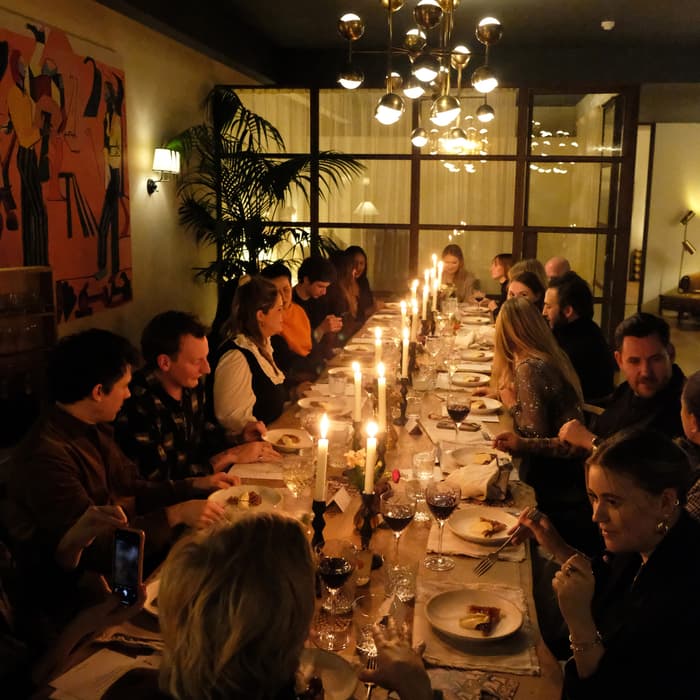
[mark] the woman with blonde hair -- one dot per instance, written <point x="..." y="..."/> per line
<point x="455" y="276"/>
<point x="538" y="385"/>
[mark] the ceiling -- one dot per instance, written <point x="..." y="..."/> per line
<point x="544" y="41"/>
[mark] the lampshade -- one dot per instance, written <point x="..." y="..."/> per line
<point x="427" y="14"/>
<point x="484" y="80"/>
<point x="485" y="113"/>
<point x="389" y="109"/>
<point x="460" y="57"/>
<point x="351" y="26"/>
<point x="688" y="216"/>
<point x="689" y="247"/>
<point x="419" y="137"/>
<point x="166" y="161"/>
<point x="426" y="67"/>
<point x="351" y="78"/>
<point x="415" y="40"/>
<point x="489" y="31"/>
<point x="444" y="110"/>
<point x="413" y="89"/>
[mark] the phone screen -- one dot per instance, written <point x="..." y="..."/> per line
<point x="126" y="566"/>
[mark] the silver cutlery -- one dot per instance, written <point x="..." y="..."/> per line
<point x="370" y="665"/>
<point x="487" y="562"/>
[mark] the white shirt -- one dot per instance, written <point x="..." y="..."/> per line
<point x="233" y="384"/>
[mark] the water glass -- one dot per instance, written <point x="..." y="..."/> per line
<point x="423" y="470"/>
<point x="337" y="380"/>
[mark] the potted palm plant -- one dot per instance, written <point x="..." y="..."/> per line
<point x="233" y="188"/>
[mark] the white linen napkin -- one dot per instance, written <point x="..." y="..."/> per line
<point x="476" y="480"/>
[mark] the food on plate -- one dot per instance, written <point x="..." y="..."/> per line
<point x="249" y="499"/>
<point x="483" y="458"/>
<point x="319" y="404"/>
<point x="481" y="618"/>
<point x="288" y="440"/>
<point x="485" y="527"/>
<point x="478" y="405"/>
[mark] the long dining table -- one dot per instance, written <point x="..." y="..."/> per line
<point x="514" y="668"/>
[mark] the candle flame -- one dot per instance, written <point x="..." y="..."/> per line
<point x="405" y="333"/>
<point x="372" y="429"/>
<point x="414" y="286"/>
<point x="324" y="426"/>
<point x="356" y="367"/>
<point x="380" y="370"/>
<point x="378" y="333"/>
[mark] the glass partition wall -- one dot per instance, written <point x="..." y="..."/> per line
<point x="550" y="175"/>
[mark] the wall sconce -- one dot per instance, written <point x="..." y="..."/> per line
<point x="167" y="163"/>
<point x="686" y="246"/>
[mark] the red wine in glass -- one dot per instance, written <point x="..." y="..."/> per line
<point x="458" y="412"/>
<point x="334" y="571"/>
<point x="442" y="506"/>
<point x="398" y="517"/>
<point x="442" y="498"/>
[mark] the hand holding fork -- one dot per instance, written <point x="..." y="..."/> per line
<point x="485" y="564"/>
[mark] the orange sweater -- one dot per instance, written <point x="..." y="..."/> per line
<point x="297" y="330"/>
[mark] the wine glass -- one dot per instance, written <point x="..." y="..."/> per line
<point x="336" y="562"/>
<point x="442" y="498"/>
<point x="423" y="471"/>
<point x="457" y="409"/>
<point x="433" y="345"/>
<point x="478" y="297"/>
<point x="398" y="506"/>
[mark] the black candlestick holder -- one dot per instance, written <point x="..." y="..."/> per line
<point x="367" y="515"/>
<point x="412" y="349"/>
<point x="318" y="523"/>
<point x="357" y="435"/>
<point x="381" y="448"/>
<point x="403" y="402"/>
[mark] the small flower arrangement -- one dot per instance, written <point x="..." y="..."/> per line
<point x="355" y="460"/>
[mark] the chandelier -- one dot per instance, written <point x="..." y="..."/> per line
<point x="433" y="60"/>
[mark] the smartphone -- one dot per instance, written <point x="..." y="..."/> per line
<point x="127" y="564"/>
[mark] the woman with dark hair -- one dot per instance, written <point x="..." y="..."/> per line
<point x="344" y="298"/>
<point x="527" y="284"/>
<point x="248" y="385"/>
<point x="458" y="280"/>
<point x="500" y="265"/>
<point x="631" y="613"/>
<point x="690" y="417"/>
<point x="367" y="305"/>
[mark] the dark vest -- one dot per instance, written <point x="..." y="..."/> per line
<point x="269" y="397"/>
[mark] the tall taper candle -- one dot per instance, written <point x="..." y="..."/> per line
<point x="371" y="457"/>
<point x="377" y="344"/>
<point x="404" y="355"/>
<point x="414" y="290"/>
<point x="357" y="407"/>
<point x="426" y="294"/>
<point x="439" y="273"/>
<point x="414" y="322"/>
<point x="381" y="397"/>
<point x="321" y="462"/>
<point x="436" y="288"/>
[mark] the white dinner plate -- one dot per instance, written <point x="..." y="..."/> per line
<point x="445" y="610"/>
<point x="470" y="379"/>
<point x="477" y="320"/>
<point x="490" y="405"/>
<point x="465" y="522"/>
<point x="466" y="456"/>
<point x="361" y="349"/>
<point x="288" y="439"/>
<point x="337" y="675"/>
<point x="328" y="404"/>
<point x="270" y="499"/>
<point x="382" y="317"/>
<point x="151" y="604"/>
<point x="476" y="355"/>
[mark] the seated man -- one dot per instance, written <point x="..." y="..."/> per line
<point x="295" y="352"/>
<point x="163" y="426"/>
<point x="556" y="267"/>
<point x="568" y="308"/>
<point x="75" y="463"/>
<point x="315" y="276"/>
<point x="651" y="396"/>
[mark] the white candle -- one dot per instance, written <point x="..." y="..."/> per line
<point x="426" y="293"/>
<point x="426" y="276"/>
<point x="414" y="322"/>
<point x="403" y="313"/>
<point x="371" y="457"/>
<point x="377" y="344"/>
<point x="439" y="273"/>
<point x="436" y="288"/>
<point x="381" y="397"/>
<point x="434" y="259"/>
<point x="404" y="357"/>
<point x="357" y="408"/>
<point x="414" y="290"/>
<point x="321" y="462"/>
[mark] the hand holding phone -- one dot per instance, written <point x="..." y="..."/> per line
<point x="127" y="564"/>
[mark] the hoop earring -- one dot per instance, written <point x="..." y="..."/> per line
<point x="662" y="527"/>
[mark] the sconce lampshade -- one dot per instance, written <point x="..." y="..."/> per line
<point x="687" y="217"/>
<point x="166" y="161"/>
<point x="389" y="109"/>
<point x="444" y="110"/>
<point x="689" y="247"/>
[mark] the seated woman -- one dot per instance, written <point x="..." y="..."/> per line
<point x="632" y="613"/>
<point x="500" y="265"/>
<point x="458" y="280"/>
<point x="248" y="384"/>
<point x="367" y="305"/>
<point x="344" y="298"/>
<point x="538" y="385"/>
<point x="527" y="284"/>
<point x="235" y="608"/>
<point x="529" y="265"/>
<point x="294" y="349"/>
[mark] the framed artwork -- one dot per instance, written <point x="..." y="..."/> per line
<point x="64" y="186"/>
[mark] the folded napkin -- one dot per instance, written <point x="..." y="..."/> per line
<point x="464" y="339"/>
<point x="477" y="480"/>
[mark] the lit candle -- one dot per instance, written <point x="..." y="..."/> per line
<point x="377" y="344"/>
<point x="434" y="259"/>
<point x="414" y="321"/>
<point x="321" y="462"/>
<point x="439" y="273"/>
<point x="381" y="397"/>
<point x="436" y="288"/>
<point x="403" y="313"/>
<point x="371" y="457"/>
<point x="426" y="293"/>
<point x="357" y="408"/>
<point x="426" y="276"/>
<point x="414" y="290"/>
<point x="404" y="357"/>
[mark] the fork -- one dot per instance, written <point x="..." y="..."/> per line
<point x="485" y="564"/>
<point x="372" y="666"/>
